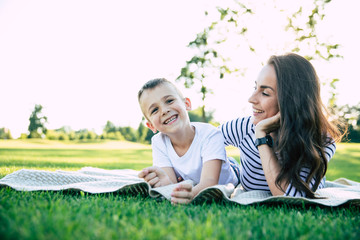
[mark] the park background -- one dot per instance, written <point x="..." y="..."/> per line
<point x="84" y="61"/>
<point x="80" y="64"/>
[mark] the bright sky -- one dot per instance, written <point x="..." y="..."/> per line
<point x="84" y="61"/>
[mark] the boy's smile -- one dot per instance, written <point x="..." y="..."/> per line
<point x="170" y="120"/>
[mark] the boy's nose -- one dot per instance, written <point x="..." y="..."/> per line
<point x="165" y="111"/>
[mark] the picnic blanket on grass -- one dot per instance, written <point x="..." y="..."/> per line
<point x="125" y="181"/>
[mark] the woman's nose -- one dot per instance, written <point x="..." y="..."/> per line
<point x="252" y="98"/>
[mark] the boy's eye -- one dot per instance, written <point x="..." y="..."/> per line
<point x="169" y="100"/>
<point x="153" y="111"/>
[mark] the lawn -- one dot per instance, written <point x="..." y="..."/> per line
<point x="60" y="215"/>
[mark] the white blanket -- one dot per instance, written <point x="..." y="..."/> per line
<point x="125" y="181"/>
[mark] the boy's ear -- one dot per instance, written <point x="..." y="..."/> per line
<point x="152" y="128"/>
<point x="188" y="104"/>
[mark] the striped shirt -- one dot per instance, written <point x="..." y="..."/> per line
<point x="240" y="133"/>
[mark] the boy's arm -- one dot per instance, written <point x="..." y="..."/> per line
<point x="210" y="173"/>
<point x="171" y="173"/>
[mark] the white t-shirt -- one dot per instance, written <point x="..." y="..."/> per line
<point x="208" y="144"/>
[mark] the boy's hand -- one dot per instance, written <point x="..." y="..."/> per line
<point x="155" y="176"/>
<point x="182" y="194"/>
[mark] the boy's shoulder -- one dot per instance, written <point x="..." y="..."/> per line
<point x="202" y="125"/>
<point x="158" y="138"/>
<point x="205" y="128"/>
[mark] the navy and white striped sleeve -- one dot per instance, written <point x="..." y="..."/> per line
<point x="330" y="150"/>
<point x="235" y="130"/>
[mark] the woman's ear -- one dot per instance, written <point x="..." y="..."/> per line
<point x="151" y="127"/>
<point x="188" y="104"/>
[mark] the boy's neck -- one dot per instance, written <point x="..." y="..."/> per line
<point x="182" y="141"/>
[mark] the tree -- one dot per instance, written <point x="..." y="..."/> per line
<point x="37" y="123"/>
<point x="197" y="115"/>
<point x="144" y="134"/>
<point x="129" y="133"/>
<point x="5" y="133"/>
<point x="349" y="115"/>
<point x="230" y="41"/>
<point x="109" y="127"/>
<point x="111" y="132"/>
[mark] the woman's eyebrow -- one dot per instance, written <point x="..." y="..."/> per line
<point x="265" y="86"/>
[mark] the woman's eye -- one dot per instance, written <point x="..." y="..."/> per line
<point x="265" y="94"/>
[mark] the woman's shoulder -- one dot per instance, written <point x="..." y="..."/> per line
<point x="239" y="123"/>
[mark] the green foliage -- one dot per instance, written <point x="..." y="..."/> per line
<point x="197" y="115"/>
<point x="213" y="60"/>
<point x="113" y="132"/>
<point x="91" y="135"/>
<point x="110" y="131"/>
<point x="63" y="137"/>
<point x="52" y="135"/>
<point x="305" y="31"/>
<point x="109" y="127"/>
<point x="129" y="133"/>
<point x="5" y="133"/>
<point x="144" y="134"/>
<point x="23" y="136"/>
<point x="116" y="135"/>
<point x="350" y="115"/>
<point x="65" y="134"/>
<point x="86" y="135"/>
<point x="37" y="123"/>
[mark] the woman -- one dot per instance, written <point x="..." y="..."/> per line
<point x="287" y="143"/>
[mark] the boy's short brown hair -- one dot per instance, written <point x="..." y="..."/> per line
<point x="151" y="84"/>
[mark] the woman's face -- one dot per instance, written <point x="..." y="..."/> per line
<point x="264" y="99"/>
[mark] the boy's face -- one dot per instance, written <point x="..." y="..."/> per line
<point x="165" y="110"/>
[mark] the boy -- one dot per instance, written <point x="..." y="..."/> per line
<point x="182" y="150"/>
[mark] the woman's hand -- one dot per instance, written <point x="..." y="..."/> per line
<point x="267" y="126"/>
<point x="155" y="176"/>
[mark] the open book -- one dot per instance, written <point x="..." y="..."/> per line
<point x="125" y="181"/>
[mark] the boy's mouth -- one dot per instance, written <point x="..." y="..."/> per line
<point x="171" y="119"/>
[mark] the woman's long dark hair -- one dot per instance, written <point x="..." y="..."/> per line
<point x="304" y="125"/>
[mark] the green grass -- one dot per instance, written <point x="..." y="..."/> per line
<point x="67" y="215"/>
<point x="346" y="162"/>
